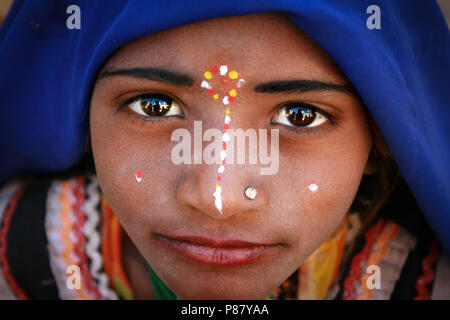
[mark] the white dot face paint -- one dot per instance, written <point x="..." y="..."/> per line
<point x="313" y="186"/>
<point x="205" y="84"/>
<point x="138" y="176"/>
<point x="218" y="198"/>
<point x="227" y="78"/>
<point x="223" y="70"/>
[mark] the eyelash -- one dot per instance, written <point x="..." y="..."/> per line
<point x="145" y="120"/>
<point x="156" y="120"/>
<point x="307" y="131"/>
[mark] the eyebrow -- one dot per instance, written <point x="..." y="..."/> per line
<point x="157" y="74"/>
<point x="180" y="79"/>
<point x="300" y="86"/>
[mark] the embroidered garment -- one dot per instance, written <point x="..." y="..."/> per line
<point x="50" y="224"/>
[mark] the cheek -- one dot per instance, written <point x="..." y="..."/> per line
<point x="119" y="153"/>
<point x="336" y="167"/>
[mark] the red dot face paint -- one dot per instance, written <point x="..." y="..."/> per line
<point x="138" y="176"/>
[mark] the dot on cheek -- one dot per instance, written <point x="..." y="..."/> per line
<point x="138" y="176"/>
<point x="313" y="186"/>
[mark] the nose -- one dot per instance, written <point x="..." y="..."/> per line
<point x="199" y="184"/>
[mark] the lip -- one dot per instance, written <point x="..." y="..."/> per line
<point x="219" y="252"/>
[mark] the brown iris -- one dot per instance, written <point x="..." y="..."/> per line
<point x="155" y="106"/>
<point x="300" y="115"/>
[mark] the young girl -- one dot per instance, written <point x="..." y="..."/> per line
<point x="336" y="221"/>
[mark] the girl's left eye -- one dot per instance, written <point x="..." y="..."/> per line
<point x="299" y="114"/>
<point x="154" y="105"/>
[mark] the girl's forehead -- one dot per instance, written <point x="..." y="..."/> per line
<point x="257" y="45"/>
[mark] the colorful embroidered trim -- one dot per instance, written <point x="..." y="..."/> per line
<point x="57" y="206"/>
<point x="387" y="246"/>
<point x="392" y="263"/>
<point x="6" y="194"/>
<point x="71" y="227"/>
<point x="351" y="283"/>
<point x="428" y="273"/>
<point x="226" y="78"/>
<point x="4" y="264"/>
<point x="78" y="224"/>
<point x="112" y="252"/>
<point x="320" y="270"/>
<point x="375" y="257"/>
<point x="315" y="276"/>
<point x="93" y="239"/>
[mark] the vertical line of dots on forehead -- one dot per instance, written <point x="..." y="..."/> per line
<point x="226" y="77"/>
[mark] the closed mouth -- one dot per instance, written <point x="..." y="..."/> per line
<point x="229" y="252"/>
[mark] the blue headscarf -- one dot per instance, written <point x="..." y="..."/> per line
<point x="401" y="71"/>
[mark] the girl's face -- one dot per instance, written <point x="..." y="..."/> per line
<point x="332" y="149"/>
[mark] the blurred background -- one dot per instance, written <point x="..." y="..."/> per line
<point x="6" y="4"/>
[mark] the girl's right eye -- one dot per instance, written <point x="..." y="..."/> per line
<point x="154" y="105"/>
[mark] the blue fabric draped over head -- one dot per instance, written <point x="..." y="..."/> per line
<point x="401" y="71"/>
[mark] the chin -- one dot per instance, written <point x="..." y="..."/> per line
<point x="215" y="295"/>
<point x="221" y="289"/>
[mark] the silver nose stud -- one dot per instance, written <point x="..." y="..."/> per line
<point x="250" y="193"/>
